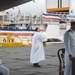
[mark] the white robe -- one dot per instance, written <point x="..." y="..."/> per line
<point x="69" y="42"/>
<point x="4" y="70"/>
<point x="37" y="51"/>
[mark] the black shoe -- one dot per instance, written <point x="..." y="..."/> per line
<point x="36" y="65"/>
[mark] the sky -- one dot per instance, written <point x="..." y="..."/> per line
<point x="31" y="7"/>
<point x="37" y="6"/>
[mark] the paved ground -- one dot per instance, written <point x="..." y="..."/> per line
<point x="17" y="60"/>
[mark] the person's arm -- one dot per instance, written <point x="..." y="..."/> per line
<point x="67" y="42"/>
<point x="43" y="37"/>
<point x="67" y="45"/>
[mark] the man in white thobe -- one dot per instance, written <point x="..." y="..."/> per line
<point x="3" y="70"/>
<point x="69" y="42"/>
<point x="37" y="50"/>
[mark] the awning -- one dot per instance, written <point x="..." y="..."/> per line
<point x="6" y="4"/>
<point x="63" y="9"/>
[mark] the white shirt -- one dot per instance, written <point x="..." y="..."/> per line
<point x="69" y="42"/>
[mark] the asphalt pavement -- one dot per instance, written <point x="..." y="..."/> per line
<point x="17" y="59"/>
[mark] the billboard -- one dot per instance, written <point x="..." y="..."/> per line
<point x="57" y="3"/>
<point x="72" y="7"/>
<point x="51" y="4"/>
<point x="65" y="3"/>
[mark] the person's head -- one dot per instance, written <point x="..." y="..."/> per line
<point x="38" y="29"/>
<point x="73" y="25"/>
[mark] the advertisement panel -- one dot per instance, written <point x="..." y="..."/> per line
<point x="57" y="3"/>
<point x="72" y="7"/>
